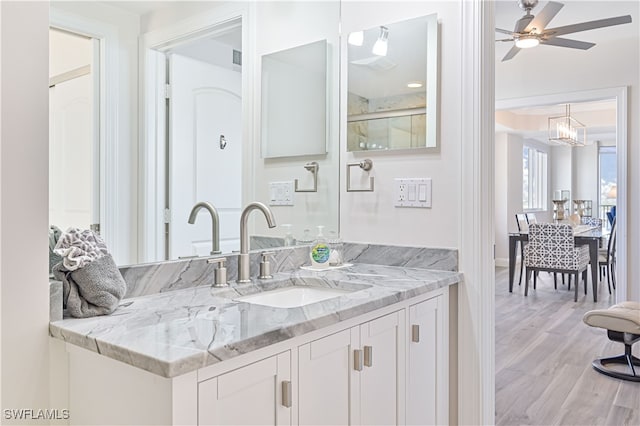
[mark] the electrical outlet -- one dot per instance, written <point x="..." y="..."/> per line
<point x="281" y="193"/>
<point x="412" y="192"/>
<point x="402" y="192"/>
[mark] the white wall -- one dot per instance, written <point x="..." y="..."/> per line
<point x="501" y="198"/>
<point x="585" y="175"/>
<point x="371" y="216"/>
<point x="609" y="64"/>
<point x="24" y="118"/>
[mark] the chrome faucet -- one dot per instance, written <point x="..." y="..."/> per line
<point x="243" y="259"/>
<point x="215" y="223"/>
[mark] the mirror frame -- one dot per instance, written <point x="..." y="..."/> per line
<point x="431" y="84"/>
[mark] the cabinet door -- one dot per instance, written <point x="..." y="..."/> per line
<point x="422" y="377"/>
<point x="323" y="380"/>
<point x="250" y="395"/>
<point x="380" y="378"/>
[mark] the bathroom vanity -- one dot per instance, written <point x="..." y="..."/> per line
<point x="371" y="346"/>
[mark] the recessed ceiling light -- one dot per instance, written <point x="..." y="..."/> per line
<point x="356" y="38"/>
<point x="414" y="84"/>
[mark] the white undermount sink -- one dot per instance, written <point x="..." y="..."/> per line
<point x="292" y="297"/>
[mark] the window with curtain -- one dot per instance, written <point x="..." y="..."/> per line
<point x="534" y="179"/>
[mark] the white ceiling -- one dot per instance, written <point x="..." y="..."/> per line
<point x="573" y="11"/>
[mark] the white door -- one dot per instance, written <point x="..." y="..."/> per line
<point x="323" y="381"/>
<point x="205" y="108"/>
<point x="71" y="154"/>
<point x="380" y="378"/>
<point x="422" y="386"/>
<point x="250" y="395"/>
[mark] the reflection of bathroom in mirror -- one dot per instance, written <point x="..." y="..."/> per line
<point x="154" y="165"/>
<point x="294" y="101"/>
<point x="392" y="86"/>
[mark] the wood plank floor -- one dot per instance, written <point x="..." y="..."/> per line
<point x="543" y="359"/>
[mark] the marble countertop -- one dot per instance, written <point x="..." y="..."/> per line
<point x="176" y="332"/>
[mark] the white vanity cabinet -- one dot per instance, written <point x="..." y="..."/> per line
<point x="426" y="402"/>
<point x="352" y="377"/>
<point x="257" y="394"/>
<point x="388" y="366"/>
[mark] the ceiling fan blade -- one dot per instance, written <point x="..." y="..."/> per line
<point x="522" y="23"/>
<point x="506" y="39"/>
<point x="567" y="42"/>
<point x="591" y="25"/>
<point x="500" y="30"/>
<point x="511" y="53"/>
<point x="548" y="12"/>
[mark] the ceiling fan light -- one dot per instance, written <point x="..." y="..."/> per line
<point x="527" y="42"/>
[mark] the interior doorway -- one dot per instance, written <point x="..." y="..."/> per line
<point x="617" y="99"/>
<point x="74" y="137"/>
<point x="197" y="82"/>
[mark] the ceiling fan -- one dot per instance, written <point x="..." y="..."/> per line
<point x="531" y="30"/>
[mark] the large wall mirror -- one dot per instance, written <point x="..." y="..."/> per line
<point x="392" y="100"/>
<point x="167" y="150"/>
<point x="294" y="101"/>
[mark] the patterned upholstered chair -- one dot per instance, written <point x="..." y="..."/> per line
<point x="551" y="248"/>
<point x="591" y="221"/>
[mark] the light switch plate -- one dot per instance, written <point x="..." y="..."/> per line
<point x="412" y="192"/>
<point x="281" y="193"/>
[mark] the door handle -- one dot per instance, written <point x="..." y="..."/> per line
<point x="368" y="356"/>
<point x="286" y="393"/>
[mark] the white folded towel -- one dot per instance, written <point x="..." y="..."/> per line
<point x="79" y="247"/>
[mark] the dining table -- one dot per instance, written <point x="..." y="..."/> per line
<point x="590" y="236"/>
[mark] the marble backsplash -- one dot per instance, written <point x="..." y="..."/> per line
<point x="152" y="278"/>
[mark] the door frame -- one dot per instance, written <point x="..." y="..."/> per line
<point x="105" y="115"/>
<point x="152" y="177"/>
<point x="620" y="94"/>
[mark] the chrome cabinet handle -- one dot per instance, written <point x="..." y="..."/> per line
<point x="415" y="333"/>
<point x="286" y="393"/>
<point x="357" y="360"/>
<point x="368" y="356"/>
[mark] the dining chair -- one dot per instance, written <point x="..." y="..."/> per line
<point x="531" y="218"/>
<point x="551" y="248"/>
<point x="592" y="221"/>
<point x="523" y="226"/>
<point x="606" y="259"/>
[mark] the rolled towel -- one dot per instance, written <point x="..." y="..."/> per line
<point x="92" y="283"/>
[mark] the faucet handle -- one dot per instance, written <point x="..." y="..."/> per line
<point x="265" y="266"/>
<point x="220" y="276"/>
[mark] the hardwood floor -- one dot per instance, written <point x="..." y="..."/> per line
<point x="543" y="359"/>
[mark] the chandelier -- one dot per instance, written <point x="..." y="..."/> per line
<point x="566" y="130"/>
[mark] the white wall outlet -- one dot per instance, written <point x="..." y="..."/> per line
<point x="412" y="192"/>
<point x="281" y="193"/>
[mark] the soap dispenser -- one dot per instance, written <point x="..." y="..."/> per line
<point x="320" y="251"/>
<point x="288" y="236"/>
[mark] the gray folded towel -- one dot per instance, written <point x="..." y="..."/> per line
<point x="94" y="289"/>
<point x="54" y="236"/>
